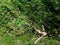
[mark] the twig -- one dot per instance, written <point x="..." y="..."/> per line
<point x="38" y="39"/>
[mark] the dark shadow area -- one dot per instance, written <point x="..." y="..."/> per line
<point x="50" y="7"/>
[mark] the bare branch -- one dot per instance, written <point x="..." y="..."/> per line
<point x="40" y="32"/>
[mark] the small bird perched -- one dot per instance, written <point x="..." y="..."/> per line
<point x="43" y="28"/>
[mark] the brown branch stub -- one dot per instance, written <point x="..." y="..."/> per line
<point x="39" y="31"/>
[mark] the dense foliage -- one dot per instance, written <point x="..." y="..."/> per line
<point x="17" y="17"/>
